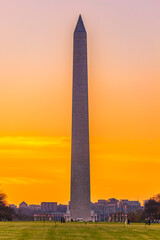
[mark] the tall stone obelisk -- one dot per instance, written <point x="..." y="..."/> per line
<point x="80" y="161"/>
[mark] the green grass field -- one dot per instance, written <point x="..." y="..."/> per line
<point x="76" y="231"/>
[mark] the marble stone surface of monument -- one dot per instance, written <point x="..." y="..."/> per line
<point x="80" y="154"/>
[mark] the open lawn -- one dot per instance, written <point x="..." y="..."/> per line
<point x="76" y="231"/>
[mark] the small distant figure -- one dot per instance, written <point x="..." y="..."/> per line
<point x="63" y="220"/>
<point x="129" y="221"/>
<point x="147" y="221"/>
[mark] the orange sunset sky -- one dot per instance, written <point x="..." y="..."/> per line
<point x="36" y="98"/>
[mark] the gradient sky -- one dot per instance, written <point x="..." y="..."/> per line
<point x="36" y="96"/>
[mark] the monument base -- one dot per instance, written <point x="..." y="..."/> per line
<point x="93" y="217"/>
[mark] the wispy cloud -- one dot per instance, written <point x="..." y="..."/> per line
<point x="19" y="142"/>
<point x="22" y="181"/>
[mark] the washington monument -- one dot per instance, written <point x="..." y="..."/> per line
<point x="80" y="160"/>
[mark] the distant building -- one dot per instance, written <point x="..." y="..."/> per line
<point x="102" y="201"/>
<point x="110" y="210"/>
<point x="112" y="201"/>
<point x="61" y="208"/>
<point x="102" y="209"/>
<point x="35" y="207"/>
<point x="123" y="201"/>
<point x="129" y="206"/>
<point x="49" y="206"/>
<point x="23" y="205"/>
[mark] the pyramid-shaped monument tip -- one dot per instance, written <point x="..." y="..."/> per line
<point x="80" y="26"/>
